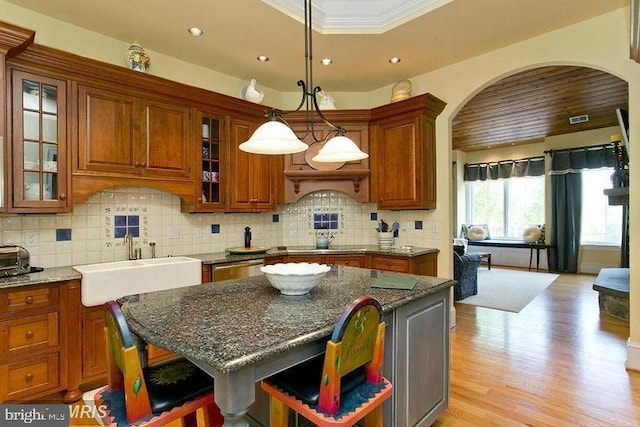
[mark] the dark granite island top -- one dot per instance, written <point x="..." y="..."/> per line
<point x="241" y="331"/>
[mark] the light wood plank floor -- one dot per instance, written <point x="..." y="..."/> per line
<point x="558" y="362"/>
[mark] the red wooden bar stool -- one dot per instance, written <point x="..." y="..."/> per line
<point x="154" y="395"/>
<point x="345" y="384"/>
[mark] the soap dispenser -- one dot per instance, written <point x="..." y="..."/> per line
<point x="247" y="237"/>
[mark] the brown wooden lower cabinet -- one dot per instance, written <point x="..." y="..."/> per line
<point x="348" y="260"/>
<point x="425" y="265"/>
<point x="32" y="343"/>
<point x="206" y="273"/>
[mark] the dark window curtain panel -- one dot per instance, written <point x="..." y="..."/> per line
<point x="566" y="208"/>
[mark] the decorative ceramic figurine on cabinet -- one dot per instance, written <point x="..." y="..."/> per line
<point x="251" y="94"/>
<point x="401" y="90"/>
<point x="137" y="58"/>
<point x="326" y="101"/>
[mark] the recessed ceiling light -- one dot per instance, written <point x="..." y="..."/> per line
<point x="394" y="60"/>
<point x="326" y="61"/>
<point x="262" y="58"/>
<point x="195" y="31"/>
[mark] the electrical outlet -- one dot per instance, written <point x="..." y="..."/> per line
<point x="173" y="232"/>
<point x="30" y="238"/>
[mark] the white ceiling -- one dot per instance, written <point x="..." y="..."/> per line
<point x="237" y="31"/>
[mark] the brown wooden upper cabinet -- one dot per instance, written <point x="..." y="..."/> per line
<point x="403" y="153"/>
<point x="129" y="136"/>
<point x="252" y="176"/>
<point x="38" y="144"/>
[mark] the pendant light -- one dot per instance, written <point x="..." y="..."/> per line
<point x="276" y="135"/>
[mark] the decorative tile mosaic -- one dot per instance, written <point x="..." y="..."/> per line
<point x="325" y="221"/>
<point x="125" y="224"/>
<point x="159" y="219"/>
<point x="121" y="219"/>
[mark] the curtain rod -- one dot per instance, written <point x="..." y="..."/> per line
<point x="497" y="162"/>
<point x="608" y="144"/>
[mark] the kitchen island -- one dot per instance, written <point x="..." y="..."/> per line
<point x="241" y="331"/>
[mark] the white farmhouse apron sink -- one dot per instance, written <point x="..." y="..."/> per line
<point x="111" y="280"/>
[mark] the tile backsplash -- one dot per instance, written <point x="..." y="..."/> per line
<point x="94" y="231"/>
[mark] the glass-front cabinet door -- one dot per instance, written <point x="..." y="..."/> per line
<point x="38" y="144"/>
<point x="211" y="137"/>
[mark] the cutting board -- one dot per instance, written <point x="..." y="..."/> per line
<point x="241" y="250"/>
<point x="395" y="282"/>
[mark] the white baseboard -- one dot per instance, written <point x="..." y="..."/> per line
<point x="452" y="317"/>
<point x="633" y="355"/>
<point x="593" y="268"/>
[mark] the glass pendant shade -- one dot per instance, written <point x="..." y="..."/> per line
<point x="273" y="137"/>
<point x="339" y="149"/>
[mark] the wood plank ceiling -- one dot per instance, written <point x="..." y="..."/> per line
<point x="530" y="105"/>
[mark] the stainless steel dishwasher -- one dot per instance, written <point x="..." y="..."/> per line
<point x="237" y="270"/>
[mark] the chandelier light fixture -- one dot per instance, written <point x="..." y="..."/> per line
<point x="276" y="135"/>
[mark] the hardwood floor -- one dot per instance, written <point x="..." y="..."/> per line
<point x="558" y="362"/>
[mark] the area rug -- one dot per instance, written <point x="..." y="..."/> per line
<point x="508" y="290"/>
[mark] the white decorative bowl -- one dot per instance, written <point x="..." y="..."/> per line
<point x="295" y="278"/>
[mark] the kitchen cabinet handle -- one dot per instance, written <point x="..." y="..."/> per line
<point x="28" y="335"/>
<point x="63" y="196"/>
<point x="29" y="300"/>
<point x="29" y="377"/>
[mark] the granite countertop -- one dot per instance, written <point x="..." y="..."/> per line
<point x="224" y="257"/>
<point x="48" y="275"/>
<point x="235" y="323"/>
<point x="60" y="274"/>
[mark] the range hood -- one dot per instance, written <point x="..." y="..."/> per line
<point x="303" y="176"/>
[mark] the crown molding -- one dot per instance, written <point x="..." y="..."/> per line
<point x="357" y="16"/>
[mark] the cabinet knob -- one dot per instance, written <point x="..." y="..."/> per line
<point x="136" y="164"/>
<point x="28" y="335"/>
<point x="346" y="263"/>
<point x="200" y="199"/>
<point x="29" y="300"/>
<point x="143" y="164"/>
<point x="28" y="377"/>
<point x="63" y="196"/>
<point x="389" y="263"/>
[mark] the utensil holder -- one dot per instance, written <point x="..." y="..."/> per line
<point x="385" y="239"/>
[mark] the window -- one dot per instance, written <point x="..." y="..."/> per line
<point x="507" y="206"/>
<point x="601" y="223"/>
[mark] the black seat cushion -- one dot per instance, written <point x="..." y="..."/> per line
<point x="303" y="380"/>
<point x="175" y="382"/>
